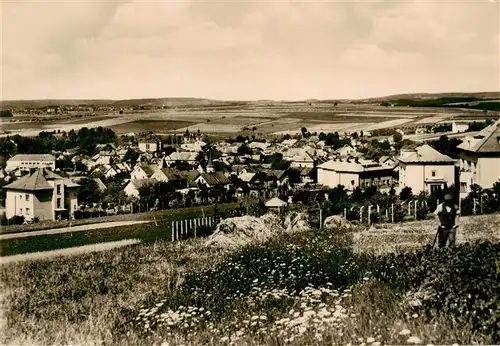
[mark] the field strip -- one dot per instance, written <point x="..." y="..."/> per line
<point x="79" y="228"/>
<point x="78" y="250"/>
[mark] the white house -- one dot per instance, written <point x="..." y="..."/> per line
<point x="25" y="162"/>
<point x="189" y="157"/>
<point x="133" y="186"/>
<point x="480" y="159"/>
<point x="141" y="172"/>
<point x="352" y="174"/>
<point x="459" y="127"/>
<point x="150" y="146"/>
<point x="43" y="195"/>
<point x="425" y="169"/>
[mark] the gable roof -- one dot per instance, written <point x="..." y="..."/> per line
<point x="32" y="157"/>
<point x="425" y="153"/>
<point x="149" y="169"/>
<point x="138" y="183"/>
<point x="486" y="141"/>
<point x="275" y="202"/>
<point x="215" y="178"/>
<point x="172" y="174"/>
<point x="37" y="181"/>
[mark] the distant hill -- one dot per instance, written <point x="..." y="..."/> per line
<point x="168" y="101"/>
<point x="428" y="96"/>
<point x="413" y="100"/>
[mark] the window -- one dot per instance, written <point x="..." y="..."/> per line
<point x="27" y="211"/>
<point x="463" y="187"/>
<point x="147" y="146"/>
<point x="435" y="188"/>
<point x="21" y="197"/>
<point x="59" y="204"/>
<point x="20" y="211"/>
<point x="27" y="197"/>
<point x="433" y="173"/>
<point x="58" y="189"/>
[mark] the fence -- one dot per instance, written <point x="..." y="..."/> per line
<point x="186" y="228"/>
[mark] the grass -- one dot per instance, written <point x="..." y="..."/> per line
<point x="122" y="217"/>
<point x="303" y="288"/>
<point x="147" y="232"/>
<point x="150" y="125"/>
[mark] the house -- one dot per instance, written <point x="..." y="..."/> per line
<point x="43" y="195"/>
<point x="275" y="204"/>
<point x="150" y="146"/>
<point x="196" y="146"/>
<point x="480" y="159"/>
<point x="25" y="162"/>
<point x="247" y="177"/>
<point x="387" y="161"/>
<point x="185" y="156"/>
<point x="459" y="127"/>
<point x="133" y="186"/>
<point x="298" y="158"/>
<point x="141" y="172"/>
<point x="425" y="169"/>
<point x="213" y="179"/>
<point x="172" y="176"/>
<point x="104" y="157"/>
<point x="354" y="173"/>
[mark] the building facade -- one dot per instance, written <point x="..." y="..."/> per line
<point x="26" y="162"/>
<point x="425" y="169"/>
<point x="480" y="159"/>
<point x="43" y="195"/>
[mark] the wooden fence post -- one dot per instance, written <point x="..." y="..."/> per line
<point x="392" y="212"/>
<point x="172" y="231"/>
<point x="474" y="207"/>
<point x="361" y="214"/>
<point x="415" y="206"/>
<point x="369" y="214"/>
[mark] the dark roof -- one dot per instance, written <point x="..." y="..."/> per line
<point x="37" y="181"/>
<point x="173" y="174"/>
<point x="215" y="178"/>
<point x="191" y="175"/>
<point x="277" y="173"/>
<point x="148" y="169"/>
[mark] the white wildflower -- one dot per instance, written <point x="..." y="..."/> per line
<point x="414" y="340"/>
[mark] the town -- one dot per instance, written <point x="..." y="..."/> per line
<point x="97" y="172"/>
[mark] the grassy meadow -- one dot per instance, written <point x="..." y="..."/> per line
<point x="306" y="288"/>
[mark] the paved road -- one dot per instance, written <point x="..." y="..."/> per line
<point x="79" y="228"/>
<point x="68" y="252"/>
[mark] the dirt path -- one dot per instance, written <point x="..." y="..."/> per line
<point x="79" y="228"/>
<point x="68" y="252"/>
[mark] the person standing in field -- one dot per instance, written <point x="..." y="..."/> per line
<point x="447" y="215"/>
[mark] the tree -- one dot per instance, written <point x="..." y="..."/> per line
<point x="397" y="137"/>
<point x="6" y="113"/>
<point x="88" y="192"/>
<point x="406" y="193"/>
<point x="131" y="156"/>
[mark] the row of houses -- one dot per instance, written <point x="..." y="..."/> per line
<point x="311" y="161"/>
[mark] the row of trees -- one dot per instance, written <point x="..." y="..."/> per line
<point x="85" y="140"/>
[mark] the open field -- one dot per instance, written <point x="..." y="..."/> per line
<point x="308" y="288"/>
<point x="139" y="126"/>
<point x="282" y="117"/>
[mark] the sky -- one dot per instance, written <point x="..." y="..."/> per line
<point x="247" y="50"/>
